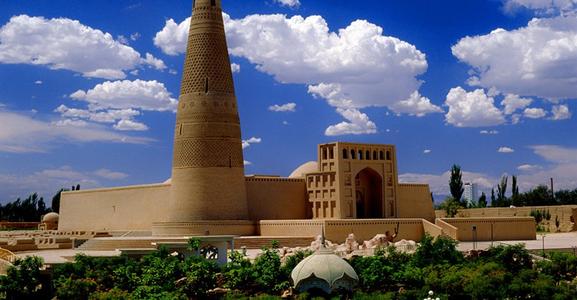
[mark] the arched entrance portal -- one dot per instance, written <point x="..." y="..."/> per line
<point x="369" y="194"/>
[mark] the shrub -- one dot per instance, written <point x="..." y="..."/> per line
<point x="23" y="280"/>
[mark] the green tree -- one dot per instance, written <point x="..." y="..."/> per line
<point x="456" y="183"/>
<point x="515" y="199"/>
<point x="450" y="206"/>
<point x="482" y="200"/>
<point x="493" y="199"/>
<point x="55" y="206"/>
<point x="501" y="191"/>
<point x="24" y="281"/>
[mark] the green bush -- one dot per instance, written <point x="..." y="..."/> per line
<point x="24" y="281"/>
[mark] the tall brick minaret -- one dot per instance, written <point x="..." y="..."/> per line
<point x="208" y="167"/>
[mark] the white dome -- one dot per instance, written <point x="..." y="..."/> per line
<point x="302" y="170"/>
<point x="324" y="270"/>
<point x="168" y="181"/>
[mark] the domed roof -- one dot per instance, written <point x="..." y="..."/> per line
<point x="168" y="181"/>
<point x="324" y="270"/>
<point x="50" y="217"/>
<point x="302" y="170"/>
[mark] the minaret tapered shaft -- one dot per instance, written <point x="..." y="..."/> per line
<point x="208" y="166"/>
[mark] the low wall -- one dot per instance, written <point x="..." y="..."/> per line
<point x="448" y="229"/>
<point x="564" y="212"/>
<point x="491" y="229"/>
<point x="272" y="198"/>
<point x="126" y="208"/>
<point x="432" y="229"/>
<point x="338" y="230"/>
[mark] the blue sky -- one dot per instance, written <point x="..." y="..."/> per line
<point x="88" y="88"/>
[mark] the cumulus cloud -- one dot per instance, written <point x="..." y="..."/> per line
<point x="39" y="82"/>
<point x="235" y="68"/>
<point x="534" y="113"/>
<point x="416" y="105"/>
<point x="513" y="103"/>
<point x="21" y="133"/>
<point x="126" y="94"/>
<point x="289" y="3"/>
<point x="561" y="112"/>
<point x="357" y="123"/>
<point x="288" y="107"/>
<point x="67" y="44"/>
<point x="249" y="142"/>
<point x="353" y="68"/>
<point x="427" y="151"/>
<point x="505" y="150"/>
<point x="119" y="102"/>
<point x="539" y="59"/>
<point x="472" y="109"/>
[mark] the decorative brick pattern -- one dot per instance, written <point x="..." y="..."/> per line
<point x="194" y="153"/>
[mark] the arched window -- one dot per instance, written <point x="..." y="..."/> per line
<point x="375" y="157"/>
<point x="206" y="86"/>
<point x="353" y="156"/>
<point x="361" y="154"/>
<point x="368" y="155"/>
<point x="381" y="155"/>
<point x="388" y="155"/>
<point x="345" y="154"/>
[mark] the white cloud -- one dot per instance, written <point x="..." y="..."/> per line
<point x="562" y="168"/>
<point x="556" y="154"/>
<point x="39" y="82"/>
<point x="534" y="113"/>
<point x="289" y="3"/>
<point x="288" y="107"/>
<point x="358" y="123"/>
<point x="252" y="140"/>
<point x="537" y="60"/>
<point x="561" y="112"/>
<point x="528" y="167"/>
<point x="111" y="175"/>
<point x="489" y="132"/>
<point x="126" y="94"/>
<point x="544" y="7"/>
<point x="472" y="109"/>
<point x="513" y="103"/>
<point x="416" y="105"/>
<point x="353" y="68"/>
<point x="154" y="62"/>
<point x="20" y="133"/>
<point x="129" y="125"/>
<point x="71" y="123"/>
<point x="505" y="150"/>
<point x="49" y="181"/>
<point x="67" y="44"/>
<point x="247" y="163"/>
<point x="427" y="151"/>
<point x="235" y="68"/>
<point x="106" y="116"/>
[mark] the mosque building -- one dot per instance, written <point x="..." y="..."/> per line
<point x="351" y="188"/>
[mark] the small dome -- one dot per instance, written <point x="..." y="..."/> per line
<point x="302" y="170"/>
<point x="168" y="181"/>
<point x="50" y="217"/>
<point x="324" y="270"/>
